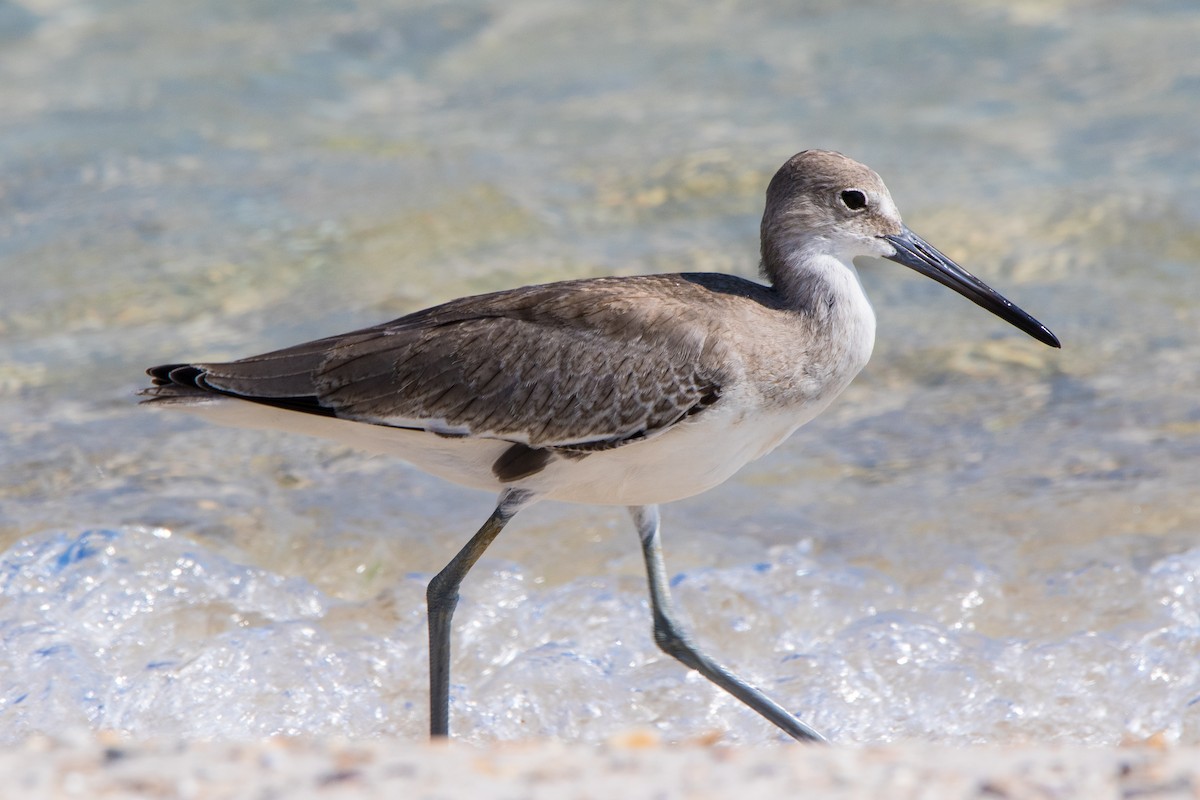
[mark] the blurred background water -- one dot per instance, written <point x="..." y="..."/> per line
<point x="984" y="540"/>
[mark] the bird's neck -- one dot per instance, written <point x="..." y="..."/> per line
<point x="825" y="291"/>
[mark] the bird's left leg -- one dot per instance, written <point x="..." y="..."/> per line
<point x="441" y="598"/>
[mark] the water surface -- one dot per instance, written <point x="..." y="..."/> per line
<point x="984" y="540"/>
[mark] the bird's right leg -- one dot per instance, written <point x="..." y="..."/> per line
<point x="673" y="641"/>
<point x="441" y="597"/>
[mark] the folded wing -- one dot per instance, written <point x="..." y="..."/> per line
<point x="575" y="366"/>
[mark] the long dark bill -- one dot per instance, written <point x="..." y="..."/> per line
<point x="914" y="252"/>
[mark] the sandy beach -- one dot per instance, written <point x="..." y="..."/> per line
<point x="633" y="766"/>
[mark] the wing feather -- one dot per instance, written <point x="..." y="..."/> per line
<point x="579" y="365"/>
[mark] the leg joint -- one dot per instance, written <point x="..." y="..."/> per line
<point x="441" y="594"/>
<point x="674" y="643"/>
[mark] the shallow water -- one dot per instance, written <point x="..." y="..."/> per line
<point x="983" y="540"/>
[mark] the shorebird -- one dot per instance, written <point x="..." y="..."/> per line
<point x="630" y="391"/>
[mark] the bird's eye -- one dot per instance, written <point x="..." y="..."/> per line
<point x="854" y="199"/>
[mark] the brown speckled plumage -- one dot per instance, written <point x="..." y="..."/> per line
<point x="582" y="365"/>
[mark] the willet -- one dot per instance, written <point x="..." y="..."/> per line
<point x="616" y="391"/>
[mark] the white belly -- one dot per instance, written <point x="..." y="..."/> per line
<point x="689" y="459"/>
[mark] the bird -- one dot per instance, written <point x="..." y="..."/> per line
<point x="630" y="391"/>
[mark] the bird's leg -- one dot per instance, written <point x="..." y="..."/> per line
<point x="441" y="597"/>
<point x="673" y="641"/>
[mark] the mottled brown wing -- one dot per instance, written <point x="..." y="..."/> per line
<point x="581" y="365"/>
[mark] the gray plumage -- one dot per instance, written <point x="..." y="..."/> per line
<point x="635" y="391"/>
<point x="580" y="365"/>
